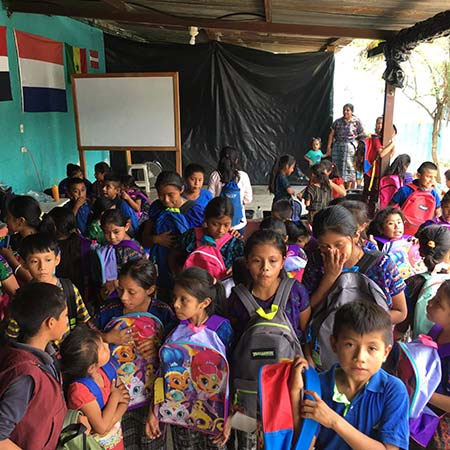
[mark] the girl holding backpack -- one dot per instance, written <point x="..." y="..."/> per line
<point x="194" y="384"/>
<point x="227" y="180"/>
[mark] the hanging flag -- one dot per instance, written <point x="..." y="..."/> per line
<point x="93" y="58"/>
<point x="5" y="81"/>
<point x="75" y="59"/>
<point x="41" y="66"/>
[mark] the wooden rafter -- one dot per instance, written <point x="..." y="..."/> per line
<point x="268" y="10"/>
<point x="159" y="19"/>
<point x="117" y="4"/>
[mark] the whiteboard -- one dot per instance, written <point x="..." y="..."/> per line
<point x="126" y="110"/>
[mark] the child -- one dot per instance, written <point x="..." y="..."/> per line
<point x="279" y="185"/>
<point x="318" y="193"/>
<point x="73" y="171"/>
<point x="227" y="180"/>
<point x="94" y="230"/>
<point x="112" y="191"/>
<point x="8" y="286"/>
<point x="137" y="286"/>
<point x="277" y="225"/>
<point x="438" y="311"/>
<point x="215" y="233"/>
<point x="41" y="256"/>
<point x="76" y="190"/>
<point x="361" y="406"/>
<point x="32" y="406"/>
<point x="298" y="237"/>
<point x="83" y="357"/>
<point x="298" y="234"/>
<point x="131" y="193"/>
<point x="428" y="207"/>
<point x="337" y="234"/>
<point x="194" y="176"/>
<point x="282" y="210"/>
<point x="444" y="218"/>
<point x="336" y="181"/>
<point x="394" y="178"/>
<point x="169" y="216"/>
<point x="196" y="296"/>
<point x="100" y="170"/>
<point x="315" y="155"/>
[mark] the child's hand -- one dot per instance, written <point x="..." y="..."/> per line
<point x="333" y="262"/>
<point x="236" y="234"/>
<point x="147" y="348"/>
<point x="7" y="253"/>
<point x="119" y="390"/>
<point x="223" y="437"/>
<point x="166" y="239"/>
<point x="109" y="287"/>
<point x="83" y="420"/>
<point x="318" y="410"/>
<point x="152" y="429"/>
<point x="117" y="335"/>
<point x="296" y="377"/>
<point x="372" y="239"/>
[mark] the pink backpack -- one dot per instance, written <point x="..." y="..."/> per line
<point x="207" y="254"/>
<point x="389" y="185"/>
<point x="417" y="209"/>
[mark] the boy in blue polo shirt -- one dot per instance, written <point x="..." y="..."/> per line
<point x="362" y="406"/>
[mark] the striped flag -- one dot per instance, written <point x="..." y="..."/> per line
<point x="75" y="59"/>
<point x="41" y="67"/>
<point x="5" y="81"/>
<point x="93" y="58"/>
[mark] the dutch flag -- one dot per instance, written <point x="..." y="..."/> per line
<point x="5" y="83"/>
<point x="41" y="66"/>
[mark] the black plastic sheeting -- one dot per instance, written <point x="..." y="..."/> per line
<point x="263" y="104"/>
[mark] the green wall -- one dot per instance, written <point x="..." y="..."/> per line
<point x="49" y="137"/>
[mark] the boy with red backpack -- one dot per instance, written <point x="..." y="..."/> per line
<point x="418" y="200"/>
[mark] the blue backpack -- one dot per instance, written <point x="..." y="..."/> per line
<point x="130" y="214"/>
<point x="232" y="191"/>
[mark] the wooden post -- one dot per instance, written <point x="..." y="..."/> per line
<point x="388" y="121"/>
<point x="82" y="162"/>
<point x="128" y="158"/>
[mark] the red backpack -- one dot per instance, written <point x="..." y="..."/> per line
<point x="207" y="255"/>
<point x="417" y="209"/>
<point x="389" y="185"/>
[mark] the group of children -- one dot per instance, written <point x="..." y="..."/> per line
<point x="144" y="317"/>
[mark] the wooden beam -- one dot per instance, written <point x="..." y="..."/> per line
<point x="159" y="19"/>
<point x="117" y="4"/>
<point x="268" y="10"/>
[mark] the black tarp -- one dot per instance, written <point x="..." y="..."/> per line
<point x="263" y="104"/>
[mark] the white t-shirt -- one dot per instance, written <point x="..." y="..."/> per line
<point x="215" y="187"/>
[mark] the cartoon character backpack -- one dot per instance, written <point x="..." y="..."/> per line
<point x="389" y="185"/>
<point x="269" y="338"/>
<point x="136" y="372"/>
<point x="295" y="261"/>
<point x="278" y="429"/>
<point x="350" y="286"/>
<point x="419" y="367"/>
<point x="432" y="283"/>
<point x="417" y="209"/>
<point x="405" y="254"/>
<point x="193" y="389"/>
<point x="232" y="191"/>
<point x="207" y="254"/>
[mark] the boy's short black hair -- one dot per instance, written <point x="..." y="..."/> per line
<point x="283" y="208"/>
<point x="447" y="175"/>
<point x="72" y="169"/>
<point x="193" y="168"/>
<point x="33" y="304"/>
<point x="277" y="225"/>
<point x="113" y="178"/>
<point x="427" y="165"/>
<point x="38" y="243"/>
<point x="296" y="230"/>
<point x="363" y="317"/>
<point x="73" y="181"/>
<point x="102" y="167"/>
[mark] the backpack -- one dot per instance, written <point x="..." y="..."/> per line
<point x="419" y="367"/>
<point x="349" y="287"/>
<point x="417" y="209"/>
<point x="389" y="185"/>
<point x="432" y="283"/>
<point x="142" y="215"/>
<point x="405" y="254"/>
<point x="277" y="429"/>
<point x="193" y="389"/>
<point x="296" y="206"/>
<point x="207" y="254"/>
<point x="232" y="191"/>
<point x="295" y="262"/>
<point x="73" y="435"/>
<point x="71" y="301"/>
<point x="136" y="372"/>
<point x="269" y="338"/>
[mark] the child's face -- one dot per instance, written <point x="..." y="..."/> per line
<point x="77" y="191"/>
<point x="302" y="241"/>
<point x="447" y="182"/>
<point x="438" y="308"/>
<point x="170" y="196"/>
<point x="42" y="266"/>
<point x="427" y="179"/>
<point x="360" y="356"/>
<point x="316" y="144"/>
<point x="264" y="264"/>
<point x="393" y="227"/>
<point x="186" y="306"/>
<point x="290" y="169"/>
<point x="111" y="190"/>
<point x="99" y="176"/>
<point x="133" y="296"/>
<point x="14" y="223"/>
<point x="331" y="242"/>
<point x="378" y="125"/>
<point x="60" y="326"/>
<point x="195" y="181"/>
<point x="78" y="175"/>
<point x="103" y="353"/>
<point x="217" y="227"/>
<point x="114" y="234"/>
<point x="445" y="207"/>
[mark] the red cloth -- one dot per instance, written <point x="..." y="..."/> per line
<point x="338" y="181"/>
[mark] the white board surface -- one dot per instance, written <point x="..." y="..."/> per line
<point x="125" y="111"/>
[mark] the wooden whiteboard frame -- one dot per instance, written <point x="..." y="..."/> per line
<point x="176" y="99"/>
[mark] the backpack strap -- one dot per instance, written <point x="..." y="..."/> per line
<point x="130" y="244"/>
<point x="110" y="371"/>
<point x="368" y="260"/>
<point x="93" y="389"/>
<point x="214" y="322"/>
<point x="219" y="243"/>
<point x="247" y="299"/>
<point x="283" y="292"/>
<point x="186" y="206"/>
<point x="69" y="292"/>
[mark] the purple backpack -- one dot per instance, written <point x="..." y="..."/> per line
<point x="419" y="368"/>
<point x="192" y="391"/>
